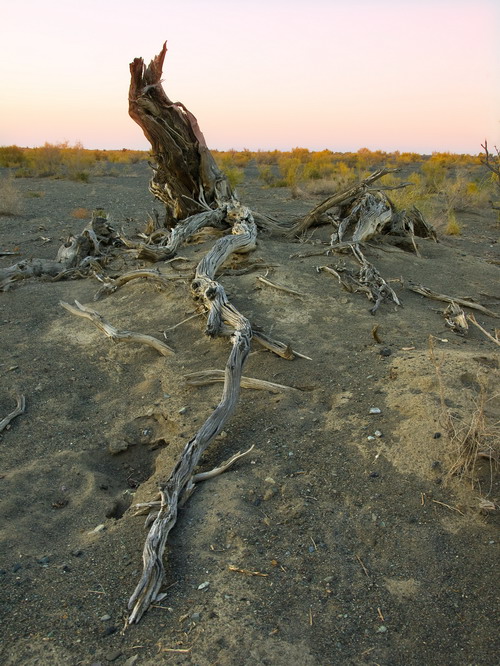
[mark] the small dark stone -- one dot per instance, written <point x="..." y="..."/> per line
<point x="438" y="481"/>
<point x="3" y="572"/>
<point x="113" y="656"/>
<point x="374" y="475"/>
<point x="16" y="567"/>
<point x="437" y="463"/>
<point x="385" y="351"/>
<point x="77" y="553"/>
<point x="107" y="632"/>
<point x="436" y="435"/>
<point x="65" y="568"/>
<point x="257" y="501"/>
<point x="44" y="560"/>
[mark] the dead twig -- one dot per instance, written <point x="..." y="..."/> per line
<point x="279" y="286"/>
<point x="472" y="319"/>
<point x="247" y="572"/>
<point x="451" y="508"/>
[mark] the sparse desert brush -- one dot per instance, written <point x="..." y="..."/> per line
<point x="323" y="186"/>
<point x="235" y="175"/>
<point x="11" y="156"/>
<point x="10" y="199"/>
<point x="461" y="192"/>
<point x="80" y="213"/>
<point x="434" y="172"/>
<point x="453" y="228"/>
<point x="291" y="170"/>
<point x="473" y="435"/>
<point x="35" y="194"/>
<point x="267" y="175"/>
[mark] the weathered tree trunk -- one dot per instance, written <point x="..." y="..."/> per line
<point x="186" y="178"/>
<point x="196" y="194"/>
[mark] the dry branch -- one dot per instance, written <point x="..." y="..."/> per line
<point x="20" y="407"/>
<point x="110" y="285"/>
<point x="428" y="293"/>
<point x="367" y="280"/>
<point x="495" y="338"/>
<point x="205" y="377"/>
<point x="111" y="332"/>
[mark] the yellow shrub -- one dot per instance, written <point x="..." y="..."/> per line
<point x="453" y="228"/>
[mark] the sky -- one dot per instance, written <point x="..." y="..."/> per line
<point x="408" y="75"/>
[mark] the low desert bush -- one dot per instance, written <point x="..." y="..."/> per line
<point x="453" y="228"/>
<point x="10" y="198"/>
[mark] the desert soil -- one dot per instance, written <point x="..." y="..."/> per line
<point x="367" y="550"/>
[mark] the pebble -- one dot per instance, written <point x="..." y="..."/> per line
<point x="44" y="560"/>
<point x="105" y="618"/>
<point x="76" y="553"/>
<point x="378" y="433"/>
<point x="382" y="629"/>
<point x="375" y="410"/>
<point x="183" y="410"/>
<point x="196" y="617"/>
<point x="385" y="352"/>
<point x="204" y="585"/>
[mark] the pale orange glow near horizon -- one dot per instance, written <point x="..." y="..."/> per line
<point x="404" y="75"/>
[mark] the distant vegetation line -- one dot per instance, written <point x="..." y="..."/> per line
<point x="442" y="184"/>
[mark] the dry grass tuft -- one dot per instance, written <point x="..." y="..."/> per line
<point x="472" y="437"/>
<point x="453" y="228"/>
<point x="10" y="198"/>
<point x="81" y="213"/>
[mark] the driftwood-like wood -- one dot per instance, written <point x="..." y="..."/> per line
<point x="428" y="293"/>
<point x="205" y="377"/>
<point x="220" y="311"/>
<point x="456" y="319"/>
<point x="367" y="280"/>
<point x="110" y="331"/>
<point x="186" y="178"/>
<point x="75" y="258"/>
<point x="337" y="199"/>
<point x="364" y="212"/>
<point x="196" y="194"/>
<point x="110" y="285"/>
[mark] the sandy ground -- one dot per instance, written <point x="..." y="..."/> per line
<point x="369" y="553"/>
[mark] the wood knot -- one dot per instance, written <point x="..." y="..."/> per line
<point x="211" y="293"/>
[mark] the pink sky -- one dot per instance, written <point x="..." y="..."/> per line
<point x="417" y="75"/>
